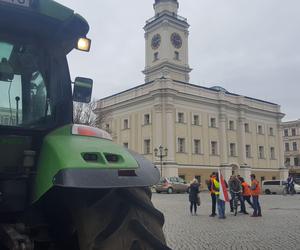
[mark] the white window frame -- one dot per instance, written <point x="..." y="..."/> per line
<point x="248" y="153"/>
<point x="262" y="129"/>
<point x="183" y="145"/>
<point x="147" y="148"/>
<point x="199" y="119"/>
<point x="217" y="148"/>
<point x="210" y="121"/>
<point x="287" y="147"/>
<point x="248" y="125"/>
<point x="144" y="119"/>
<point x="128" y="124"/>
<point x="194" y="146"/>
<point x="263" y="156"/>
<point x="178" y="116"/>
<point x="295" y="148"/>
<point x="272" y="153"/>
<point x="271" y="131"/>
<point x="229" y="125"/>
<point x="232" y="153"/>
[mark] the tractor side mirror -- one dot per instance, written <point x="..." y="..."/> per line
<point x="82" y="90"/>
<point x="6" y="71"/>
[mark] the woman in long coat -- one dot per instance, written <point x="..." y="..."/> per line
<point x="193" y="196"/>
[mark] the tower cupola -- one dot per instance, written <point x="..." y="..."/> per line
<point x="166" y="6"/>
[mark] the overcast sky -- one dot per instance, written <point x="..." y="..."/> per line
<point x="249" y="47"/>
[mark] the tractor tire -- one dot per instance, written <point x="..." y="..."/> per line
<point x="124" y="218"/>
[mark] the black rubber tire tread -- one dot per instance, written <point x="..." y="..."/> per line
<point x="124" y="219"/>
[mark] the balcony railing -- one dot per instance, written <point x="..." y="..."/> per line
<point x="180" y="18"/>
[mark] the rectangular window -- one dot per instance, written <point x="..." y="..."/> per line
<point x="295" y="146"/>
<point x="247" y="128"/>
<point x="261" y="152"/>
<point x="176" y="55"/>
<point x="287" y="147"/>
<point x="181" y="145"/>
<point x="197" y="147"/>
<point x="125" y="144"/>
<point x="248" y="151"/>
<point x="287" y="161"/>
<point x="180" y="117"/>
<point x="214" y="148"/>
<point x="296" y="161"/>
<point x="232" y="147"/>
<point x="260" y="129"/>
<point x="271" y="131"/>
<point x="272" y="153"/>
<point x="286" y="132"/>
<point x="231" y="125"/>
<point x="146" y="119"/>
<point x="213" y="122"/>
<point x="155" y="56"/>
<point x="196" y="120"/>
<point x="273" y="178"/>
<point x="293" y="132"/>
<point x="125" y="124"/>
<point x="147" y="147"/>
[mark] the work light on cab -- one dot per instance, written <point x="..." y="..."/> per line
<point x="84" y="44"/>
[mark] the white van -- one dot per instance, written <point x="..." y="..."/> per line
<point x="273" y="186"/>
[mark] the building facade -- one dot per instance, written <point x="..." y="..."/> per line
<point x="203" y="128"/>
<point x="7" y="116"/>
<point x="291" y="137"/>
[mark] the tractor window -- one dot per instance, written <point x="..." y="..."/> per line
<point x="24" y="101"/>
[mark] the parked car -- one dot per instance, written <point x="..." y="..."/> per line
<point x="297" y="188"/>
<point x="273" y="186"/>
<point x="171" y="185"/>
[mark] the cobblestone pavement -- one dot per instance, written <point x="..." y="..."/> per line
<point x="279" y="228"/>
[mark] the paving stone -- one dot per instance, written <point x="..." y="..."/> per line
<point x="279" y="228"/>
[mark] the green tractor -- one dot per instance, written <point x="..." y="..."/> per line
<point x="62" y="185"/>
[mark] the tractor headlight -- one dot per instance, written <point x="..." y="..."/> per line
<point x="84" y="44"/>
<point x="83" y="130"/>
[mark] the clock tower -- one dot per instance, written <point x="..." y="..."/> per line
<point x="166" y="36"/>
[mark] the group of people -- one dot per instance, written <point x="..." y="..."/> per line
<point x="238" y="189"/>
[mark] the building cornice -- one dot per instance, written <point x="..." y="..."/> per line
<point x="187" y="92"/>
<point x="166" y="16"/>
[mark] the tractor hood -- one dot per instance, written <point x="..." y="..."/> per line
<point x="46" y="19"/>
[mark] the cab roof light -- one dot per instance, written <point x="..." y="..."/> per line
<point x="84" y="44"/>
<point x="84" y="130"/>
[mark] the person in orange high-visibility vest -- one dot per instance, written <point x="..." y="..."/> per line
<point x="212" y="194"/>
<point x="255" y="192"/>
<point x="246" y="193"/>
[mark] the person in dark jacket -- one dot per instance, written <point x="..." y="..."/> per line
<point x="193" y="196"/>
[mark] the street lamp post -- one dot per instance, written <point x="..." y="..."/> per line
<point x="161" y="152"/>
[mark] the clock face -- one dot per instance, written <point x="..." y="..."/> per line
<point x="155" y="43"/>
<point x="176" y="40"/>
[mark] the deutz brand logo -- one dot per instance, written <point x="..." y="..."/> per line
<point x="24" y="3"/>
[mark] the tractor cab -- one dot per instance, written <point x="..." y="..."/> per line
<point x="35" y="87"/>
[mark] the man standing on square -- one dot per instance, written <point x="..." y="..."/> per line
<point x="255" y="191"/>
